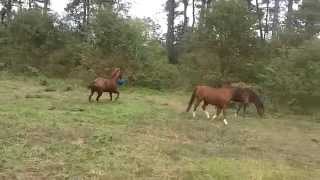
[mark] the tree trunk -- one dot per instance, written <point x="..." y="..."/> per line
<point x="193" y="14"/>
<point x="20" y="4"/>
<point x="249" y="5"/>
<point x="45" y="6"/>
<point x="275" y="23"/>
<point x="88" y="11"/>
<point x="209" y="3"/>
<point x="30" y="2"/>
<point x="185" y="17"/>
<point x="289" y="15"/>
<point x="8" y="10"/>
<point x="84" y="18"/>
<point x="170" y="32"/>
<point x="259" y="19"/>
<point x="266" y="30"/>
<point x="202" y="13"/>
<point x="3" y="14"/>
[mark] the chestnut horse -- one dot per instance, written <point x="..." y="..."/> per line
<point x="101" y="85"/>
<point x="245" y="96"/>
<point x="219" y="97"/>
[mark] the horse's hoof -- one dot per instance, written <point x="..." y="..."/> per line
<point x="214" y="117"/>
<point x="225" y="122"/>
<point x="208" y="115"/>
<point x="194" y="114"/>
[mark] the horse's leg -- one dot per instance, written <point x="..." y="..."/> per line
<point x="99" y="95"/>
<point x="224" y="115"/>
<point x="218" y="111"/>
<point x="196" y="104"/>
<point x="110" y="94"/>
<point x="245" y="104"/>
<point x="118" y="93"/>
<point x="238" y="110"/>
<point x="91" y="94"/>
<point x="204" y="106"/>
<point x="244" y="109"/>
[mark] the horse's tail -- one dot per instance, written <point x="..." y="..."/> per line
<point x="191" y="99"/>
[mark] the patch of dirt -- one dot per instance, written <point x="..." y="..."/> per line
<point x="78" y="141"/>
<point x="174" y="104"/>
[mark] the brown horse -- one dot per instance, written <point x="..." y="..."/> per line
<point x="101" y="85"/>
<point x="245" y="96"/>
<point x="219" y="97"/>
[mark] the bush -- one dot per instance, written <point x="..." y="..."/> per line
<point x="293" y="78"/>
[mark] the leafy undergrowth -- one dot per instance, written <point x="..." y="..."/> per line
<point x="50" y="130"/>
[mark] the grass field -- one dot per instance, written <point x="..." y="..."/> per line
<point x="53" y="132"/>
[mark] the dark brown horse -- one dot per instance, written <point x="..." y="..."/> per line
<point x="101" y="85"/>
<point x="219" y="97"/>
<point x="245" y="96"/>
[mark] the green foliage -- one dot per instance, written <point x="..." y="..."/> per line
<point x="116" y="35"/>
<point x="28" y="39"/>
<point x="294" y="77"/>
<point x="37" y="43"/>
<point x="228" y="48"/>
<point x="224" y="46"/>
<point x="309" y="17"/>
<point x="231" y="25"/>
<point x="230" y="28"/>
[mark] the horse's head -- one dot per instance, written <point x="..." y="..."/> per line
<point x="260" y="111"/>
<point x="116" y="74"/>
<point x="259" y="106"/>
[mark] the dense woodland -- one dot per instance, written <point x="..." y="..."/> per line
<point x="272" y="45"/>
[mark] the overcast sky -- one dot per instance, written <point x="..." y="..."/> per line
<point x="139" y="8"/>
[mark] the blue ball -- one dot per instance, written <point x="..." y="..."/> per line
<point x="121" y="82"/>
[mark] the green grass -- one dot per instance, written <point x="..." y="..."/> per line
<point x="58" y="134"/>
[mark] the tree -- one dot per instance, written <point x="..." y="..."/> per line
<point x="275" y="22"/>
<point x="266" y="25"/>
<point x="6" y="10"/>
<point x="308" y="17"/>
<point x="46" y="3"/>
<point x="117" y="36"/>
<point x="230" y="28"/>
<point x="193" y="14"/>
<point x="259" y="20"/>
<point x="31" y="37"/>
<point x="249" y="4"/>
<point x="289" y="22"/>
<point x="170" y="37"/>
<point x="202" y="13"/>
<point x="185" y="17"/>
<point x="77" y="11"/>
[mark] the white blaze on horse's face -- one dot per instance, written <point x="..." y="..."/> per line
<point x="214" y="116"/>
<point x="207" y="113"/>
<point x="194" y="114"/>
<point x="225" y="121"/>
